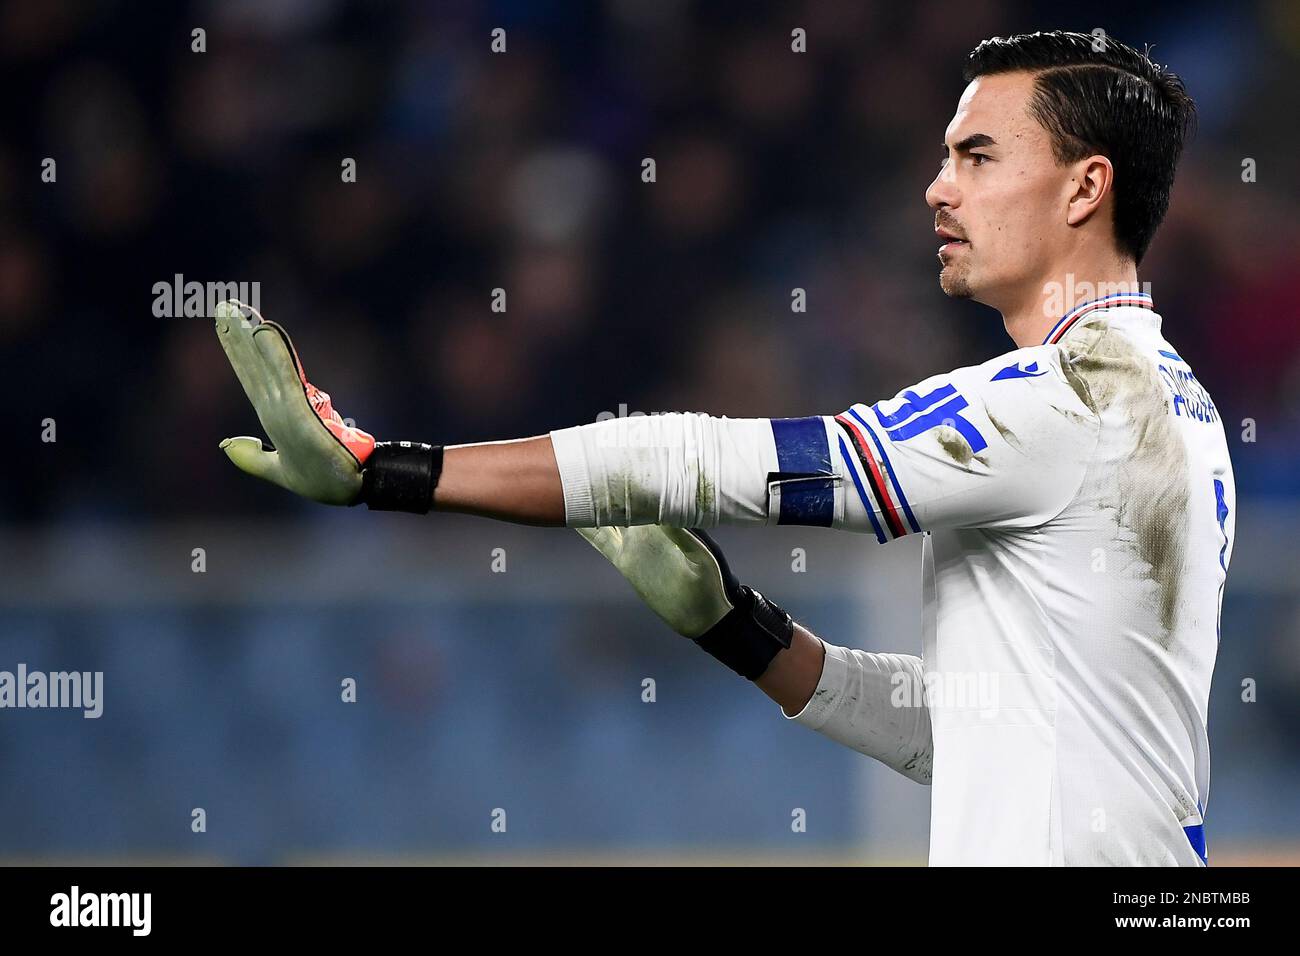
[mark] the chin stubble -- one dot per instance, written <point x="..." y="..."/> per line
<point x="954" y="284"/>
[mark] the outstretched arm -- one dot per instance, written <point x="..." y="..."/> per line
<point x="678" y="469"/>
<point x="977" y="447"/>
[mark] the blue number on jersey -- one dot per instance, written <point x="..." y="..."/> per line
<point x="898" y="428"/>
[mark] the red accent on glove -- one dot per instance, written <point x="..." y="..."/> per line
<point x="359" y="442"/>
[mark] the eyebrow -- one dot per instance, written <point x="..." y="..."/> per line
<point x="973" y="141"/>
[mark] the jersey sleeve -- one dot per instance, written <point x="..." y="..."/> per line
<point x="999" y="445"/>
<point x="857" y="703"/>
<point x="1004" y="444"/>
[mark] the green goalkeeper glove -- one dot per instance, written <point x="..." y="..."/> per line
<point x="685" y="579"/>
<point x="316" y="453"/>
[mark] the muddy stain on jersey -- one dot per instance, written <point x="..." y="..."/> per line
<point x="631" y="497"/>
<point x="705" y="500"/>
<point x="953" y="444"/>
<point x="1072" y="417"/>
<point x="1007" y="434"/>
<point x="1076" y="382"/>
<point x="628" y="496"/>
<point x="1147" y="486"/>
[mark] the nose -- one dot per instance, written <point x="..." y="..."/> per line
<point x="943" y="191"/>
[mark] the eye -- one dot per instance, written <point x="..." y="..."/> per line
<point x="977" y="159"/>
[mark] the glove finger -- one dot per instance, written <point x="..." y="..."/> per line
<point x="271" y="343"/>
<point x="676" y="575"/>
<point x="315" y="462"/>
<point x="235" y="325"/>
<point x="287" y="415"/>
<point x="250" y="456"/>
<point x="277" y="349"/>
<point x="706" y="553"/>
<point x="247" y="316"/>
<point x="688" y="540"/>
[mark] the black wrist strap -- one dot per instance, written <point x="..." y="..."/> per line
<point x="401" y="476"/>
<point x="752" y="633"/>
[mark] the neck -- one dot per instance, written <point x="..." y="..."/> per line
<point x="1039" y="307"/>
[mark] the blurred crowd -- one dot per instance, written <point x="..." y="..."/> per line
<point x="521" y="170"/>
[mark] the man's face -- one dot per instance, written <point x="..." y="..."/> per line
<point x="1000" y="192"/>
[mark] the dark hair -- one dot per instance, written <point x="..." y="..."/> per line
<point x="1094" y="94"/>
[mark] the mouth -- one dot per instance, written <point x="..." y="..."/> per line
<point x="950" y="241"/>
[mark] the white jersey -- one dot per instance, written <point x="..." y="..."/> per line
<point x="1078" y="508"/>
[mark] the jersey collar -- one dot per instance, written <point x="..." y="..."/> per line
<point x="1139" y="300"/>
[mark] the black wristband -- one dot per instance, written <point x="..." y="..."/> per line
<point x="401" y="476"/>
<point x="752" y="633"/>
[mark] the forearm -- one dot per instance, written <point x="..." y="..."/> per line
<point x="872" y="703"/>
<point x="516" y="480"/>
<point x="680" y="469"/>
<point x="794" y="673"/>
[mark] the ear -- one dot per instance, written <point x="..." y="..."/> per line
<point x="1091" y="183"/>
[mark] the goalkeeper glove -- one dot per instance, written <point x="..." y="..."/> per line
<point x="685" y="579"/>
<point x="315" y="453"/>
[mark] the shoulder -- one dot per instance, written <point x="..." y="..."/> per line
<point x="1025" y="404"/>
<point x="1106" y="366"/>
<point x="1040" y="382"/>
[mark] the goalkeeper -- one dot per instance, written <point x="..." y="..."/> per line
<point x="999" y="517"/>
<point x="1075" y="495"/>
